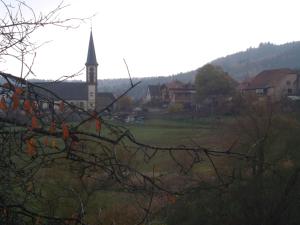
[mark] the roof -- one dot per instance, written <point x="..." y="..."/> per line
<point x="189" y="86"/>
<point x="154" y="90"/>
<point x="178" y="85"/>
<point x="104" y="99"/>
<point x="268" y="78"/>
<point x="91" y="57"/>
<point x="174" y="84"/>
<point x="65" y="90"/>
<point x="105" y="95"/>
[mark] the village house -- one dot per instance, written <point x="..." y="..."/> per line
<point x="174" y="92"/>
<point x="273" y="84"/>
<point x="81" y="94"/>
<point x="177" y="92"/>
<point x="153" y="94"/>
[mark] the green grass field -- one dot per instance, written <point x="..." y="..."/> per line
<point x="204" y="132"/>
<point x="60" y="182"/>
<point x="160" y="132"/>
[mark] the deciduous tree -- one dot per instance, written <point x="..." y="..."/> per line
<point x="212" y="81"/>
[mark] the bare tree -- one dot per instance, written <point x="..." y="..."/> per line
<point x="18" y="23"/>
<point x="53" y="169"/>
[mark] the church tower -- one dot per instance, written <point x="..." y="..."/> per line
<point x="91" y="74"/>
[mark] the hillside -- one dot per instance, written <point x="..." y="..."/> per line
<point x="254" y="60"/>
<point x="239" y="65"/>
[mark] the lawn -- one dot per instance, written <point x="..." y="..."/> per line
<point x="160" y="132"/>
<point x="205" y="132"/>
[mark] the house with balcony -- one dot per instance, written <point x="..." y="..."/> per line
<point x="273" y="84"/>
<point x="174" y="92"/>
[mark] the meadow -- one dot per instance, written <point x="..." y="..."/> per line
<point x="155" y="132"/>
<point x="174" y="132"/>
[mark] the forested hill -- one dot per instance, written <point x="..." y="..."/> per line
<point x="254" y="60"/>
<point x="239" y="65"/>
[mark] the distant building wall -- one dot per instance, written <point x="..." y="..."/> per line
<point x="275" y="88"/>
<point x="78" y="103"/>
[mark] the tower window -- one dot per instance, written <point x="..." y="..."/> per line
<point x="91" y="77"/>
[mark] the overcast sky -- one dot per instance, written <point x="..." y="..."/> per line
<point x="160" y="37"/>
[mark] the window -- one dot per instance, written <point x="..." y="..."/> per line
<point x="260" y="91"/>
<point x="290" y="91"/>
<point x="92" y="70"/>
<point x="45" y="105"/>
<point x="91" y="94"/>
<point x="288" y="83"/>
<point x="91" y="77"/>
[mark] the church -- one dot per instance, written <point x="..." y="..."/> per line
<point x="83" y="94"/>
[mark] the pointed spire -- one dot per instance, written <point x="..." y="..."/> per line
<point x="91" y="57"/>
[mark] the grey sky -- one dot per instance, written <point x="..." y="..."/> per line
<point x="161" y="37"/>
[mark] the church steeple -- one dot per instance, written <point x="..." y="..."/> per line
<point x="91" y="57"/>
<point x="91" y="74"/>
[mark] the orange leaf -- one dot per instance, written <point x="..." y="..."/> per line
<point x="65" y="130"/>
<point x="16" y="101"/>
<point x="18" y="91"/>
<point x="98" y="125"/>
<point x="34" y="122"/>
<point x="52" y="127"/>
<point x="31" y="147"/>
<point x="61" y="106"/>
<point x="27" y="106"/>
<point x="3" y="105"/>
<point x="171" y="199"/>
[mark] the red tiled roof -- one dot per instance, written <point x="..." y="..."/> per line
<point x="174" y="84"/>
<point x="268" y="78"/>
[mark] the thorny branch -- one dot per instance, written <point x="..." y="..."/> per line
<point x="38" y="131"/>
